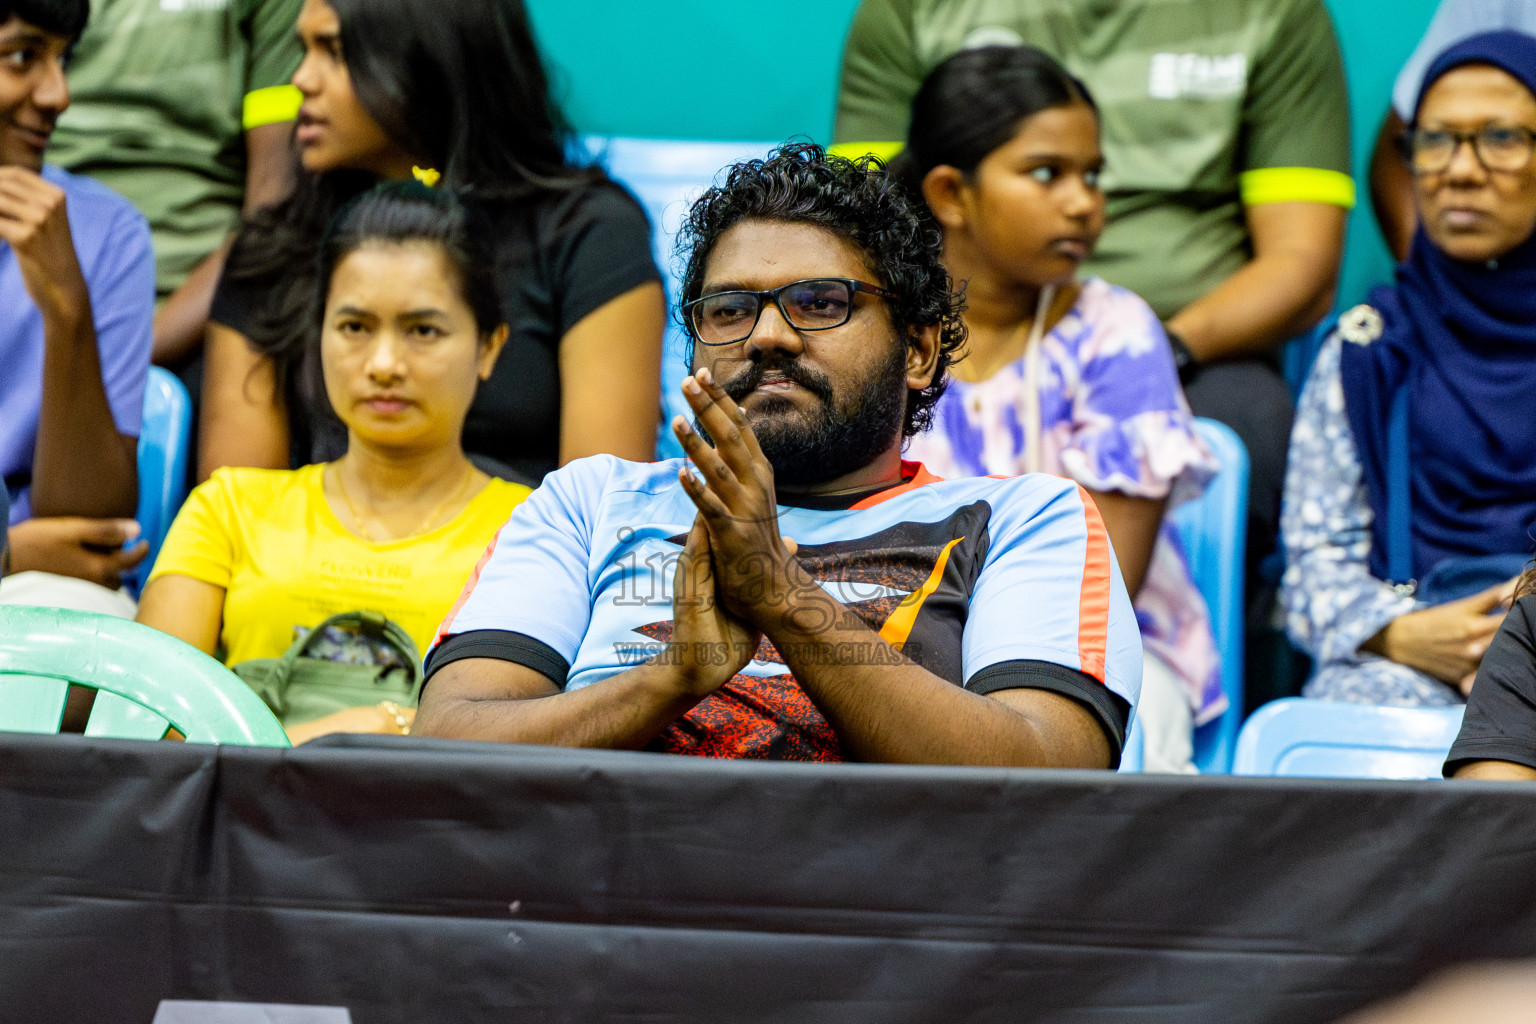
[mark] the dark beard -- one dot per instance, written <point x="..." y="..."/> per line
<point x="833" y="439"/>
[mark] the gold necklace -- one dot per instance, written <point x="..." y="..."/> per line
<point x="357" y="520"/>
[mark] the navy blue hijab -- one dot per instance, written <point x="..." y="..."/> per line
<point x="1461" y="337"/>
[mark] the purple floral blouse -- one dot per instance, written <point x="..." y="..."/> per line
<point x="1113" y="418"/>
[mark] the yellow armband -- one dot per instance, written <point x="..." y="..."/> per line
<point x="1297" y="185"/>
<point x="270" y="106"/>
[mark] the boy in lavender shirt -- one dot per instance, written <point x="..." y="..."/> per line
<point x="76" y="309"/>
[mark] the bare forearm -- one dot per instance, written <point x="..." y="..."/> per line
<point x="1285" y="289"/>
<point x="610" y="378"/>
<point x="81" y="465"/>
<point x="183" y="319"/>
<point x="907" y="715"/>
<point x="244" y="418"/>
<point x="902" y="713"/>
<point x="188" y="609"/>
<point x="1498" y="771"/>
<point x="625" y="711"/>
<point x="1255" y="310"/>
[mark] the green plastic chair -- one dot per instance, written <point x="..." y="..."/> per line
<point x="147" y="682"/>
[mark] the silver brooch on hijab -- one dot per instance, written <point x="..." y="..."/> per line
<point x="1361" y="325"/>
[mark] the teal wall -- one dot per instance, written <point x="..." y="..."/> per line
<point x="1376" y="36"/>
<point x="696" y="69"/>
<point x="752" y="70"/>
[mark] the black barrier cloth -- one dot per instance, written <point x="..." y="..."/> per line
<point x="419" y="881"/>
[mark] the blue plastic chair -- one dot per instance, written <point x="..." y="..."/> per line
<point x="667" y="175"/>
<point x="165" y="441"/>
<point x="1318" y="738"/>
<point x="146" y="681"/>
<point x="1213" y="530"/>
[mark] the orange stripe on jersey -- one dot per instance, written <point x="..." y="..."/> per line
<point x="1093" y="604"/>
<point x="469" y="586"/>
<point x="899" y="626"/>
<point x="915" y="475"/>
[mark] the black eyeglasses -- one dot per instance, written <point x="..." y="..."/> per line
<point x="1497" y="148"/>
<point x="817" y="304"/>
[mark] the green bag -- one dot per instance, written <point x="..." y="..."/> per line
<point x="299" y="688"/>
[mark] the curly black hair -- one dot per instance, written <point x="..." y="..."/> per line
<point x="856" y="200"/>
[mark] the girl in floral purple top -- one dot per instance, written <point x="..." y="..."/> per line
<point x="1064" y="377"/>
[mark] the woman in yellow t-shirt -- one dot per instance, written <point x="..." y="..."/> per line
<point x="411" y="324"/>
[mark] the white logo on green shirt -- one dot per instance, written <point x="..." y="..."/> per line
<point x="991" y="35"/>
<point x="1176" y="76"/>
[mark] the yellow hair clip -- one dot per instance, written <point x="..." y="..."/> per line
<point x="427" y="176"/>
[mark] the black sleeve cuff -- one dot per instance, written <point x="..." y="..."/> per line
<point x="1465" y="752"/>
<point x="1112" y="710"/>
<point x="503" y="645"/>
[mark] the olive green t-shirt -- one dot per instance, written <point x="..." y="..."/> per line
<point x="162" y="92"/>
<point x="1205" y="106"/>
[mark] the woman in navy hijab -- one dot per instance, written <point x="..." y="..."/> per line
<point x="1410" y="494"/>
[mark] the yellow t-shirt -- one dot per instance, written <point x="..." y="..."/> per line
<point x="268" y="537"/>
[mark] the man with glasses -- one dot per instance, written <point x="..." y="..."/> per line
<point x="794" y="590"/>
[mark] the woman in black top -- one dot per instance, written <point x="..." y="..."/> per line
<point x="452" y="91"/>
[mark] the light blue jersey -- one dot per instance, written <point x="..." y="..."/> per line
<point x="989" y="583"/>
